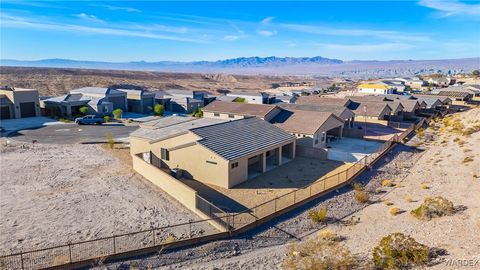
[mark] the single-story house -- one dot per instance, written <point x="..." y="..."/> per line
<point x="376" y="88"/>
<point x="102" y="94"/>
<point x="161" y="97"/>
<point x="312" y="128"/>
<point x="69" y="105"/>
<point x="251" y="97"/>
<point x="285" y="99"/>
<point x="457" y="95"/>
<point x="397" y="84"/>
<point x="370" y="110"/>
<point x="413" y="82"/>
<point x="239" y="110"/>
<point x="18" y="103"/>
<point x="441" y="81"/>
<point x="213" y="151"/>
<point x="340" y="111"/>
<point x="225" y="98"/>
<point x="139" y="101"/>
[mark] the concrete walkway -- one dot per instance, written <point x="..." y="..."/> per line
<point x="351" y="150"/>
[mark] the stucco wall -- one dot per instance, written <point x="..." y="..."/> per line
<point x="222" y="116"/>
<point x="17" y="97"/>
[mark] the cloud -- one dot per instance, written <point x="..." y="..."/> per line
<point x="366" y="48"/>
<point x="230" y="38"/>
<point x="383" y="34"/>
<point x="118" y="8"/>
<point x="87" y="17"/>
<point x="267" y="20"/>
<point x="28" y="23"/>
<point x="452" y="7"/>
<point x="266" y="33"/>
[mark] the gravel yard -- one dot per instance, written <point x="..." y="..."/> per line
<point x="51" y="194"/>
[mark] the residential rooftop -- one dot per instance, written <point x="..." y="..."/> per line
<point x="304" y="122"/>
<point x="247" y="109"/>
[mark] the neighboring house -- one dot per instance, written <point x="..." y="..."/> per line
<point x="225" y="98"/>
<point x="285" y="99"/>
<point x="469" y="89"/>
<point x="414" y="82"/>
<point x="321" y="100"/>
<point x="161" y="97"/>
<point x="340" y="111"/>
<point x="370" y="110"/>
<point x="99" y="95"/>
<point x="397" y="84"/>
<point x="213" y="151"/>
<point x="410" y="107"/>
<point x="69" y="105"/>
<point x="239" y="110"/>
<point x="250" y="97"/>
<point x="461" y="96"/>
<point x="184" y="104"/>
<point x="312" y="128"/>
<point x="475" y="88"/>
<point x="433" y="101"/>
<point x="376" y="88"/>
<point x="139" y="101"/>
<point x="440" y="82"/>
<point x="18" y="103"/>
<point x="183" y="101"/>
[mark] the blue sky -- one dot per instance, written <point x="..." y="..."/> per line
<point x="185" y="31"/>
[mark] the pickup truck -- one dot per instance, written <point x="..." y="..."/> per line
<point x="89" y="120"/>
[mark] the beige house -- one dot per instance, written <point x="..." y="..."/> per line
<point x="312" y="128"/>
<point x="320" y="100"/>
<point x="239" y="110"/>
<point x="370" y="110"/>
<point x="18" y="103"/>
<point x="340" y="111"/>
<point x="213" y="151"/>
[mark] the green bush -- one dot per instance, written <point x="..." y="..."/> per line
<point x="318" y="216"/>
<point x="239" y="99"/>
<point x="117" y="113"/>
<point x="198" y="113"/>
<point x="361" y="196"/>
<point x="397" y="251"/>
<point x="110" y="140"/>
<point x="433" y="207"/>
<point x="83" y="110"/>
<point x="107" y="119"/>
<point x="158" y="109"/>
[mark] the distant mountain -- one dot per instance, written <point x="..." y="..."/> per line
<point x="274" y="66"/>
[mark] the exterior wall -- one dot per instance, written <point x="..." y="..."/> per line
<point x="222" y="116"/>
<point x="376" y="90"/>
<point x="17" y="97"/>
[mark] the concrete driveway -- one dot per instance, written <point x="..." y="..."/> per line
<point x="72" y="133"/>
<point x="12" y="125"/>
<point x="351" y="150"/>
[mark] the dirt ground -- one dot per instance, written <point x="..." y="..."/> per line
<point x="295" y="174"/>
<point x="435" y="159"/>
<point x="51" y="194"/>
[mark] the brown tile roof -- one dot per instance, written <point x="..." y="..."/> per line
<point x="339" y="111"/>
<point x="321" y="100"/>
<point x="305" y="122"/>
<point x="239" y="108"/>
<point x="455" y="94"/>
<point x="409" y="105"/>
<point x="373" y="108"/>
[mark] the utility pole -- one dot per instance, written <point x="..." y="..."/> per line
<point x="365" y="128"/>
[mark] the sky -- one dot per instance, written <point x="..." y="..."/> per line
<point x="119" y="31"/>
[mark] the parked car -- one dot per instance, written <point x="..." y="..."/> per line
<point x="89" y="120"/>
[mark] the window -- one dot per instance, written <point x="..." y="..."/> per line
<point x="164" y="154"/>
<point x="216" y="114"/>
<point x="231" y="116"/>
<point x="234" y="165"/>
<point x="324" y="136"/>
<point x="212" y="162"/>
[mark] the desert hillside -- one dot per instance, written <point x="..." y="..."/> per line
<point x="57" y="81"/>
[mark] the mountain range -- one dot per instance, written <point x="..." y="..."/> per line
<point x="272" y="66"/>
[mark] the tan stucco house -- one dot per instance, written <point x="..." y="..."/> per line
<point x="239" y="110"/>
<point x="18" y="103"/>
<point x="213" y="151"/>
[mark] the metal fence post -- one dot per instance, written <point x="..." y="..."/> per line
<point x="294" y="196"/>
<point x="310" y="187"/>
<point x="70" y="252"/>
<point x="114" y="246"/>
<point x="21" y="259"/>
<point x="275" y="200"/>
<point x="190" y="228"/>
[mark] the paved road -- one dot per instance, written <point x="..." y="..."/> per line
<point x="72" y="133"/>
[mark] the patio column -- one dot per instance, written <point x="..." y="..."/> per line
<point x="68" y="110"/>
<point x="293" y="149"/>
<point x="263" y="162"/>
<point x="279" y="152"/>
<point x="341" y="132"/>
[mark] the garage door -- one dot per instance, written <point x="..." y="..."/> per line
<point x="4" y="113"/>
<point x="27" y="109"/>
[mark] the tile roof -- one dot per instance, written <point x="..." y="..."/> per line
<point x="236" y="139"/>
<point x="305" y="122"/>
<point x="339" y="111"/>
<point x="373" y="108"/>
<point x="455" y="94"/>
<point x="321" y="100"/>
<point x="96" y="90"/>
<point x="239" y="108"/>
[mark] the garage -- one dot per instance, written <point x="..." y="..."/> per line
<point x="27" y="109"/>
<point x="5" y="112"/>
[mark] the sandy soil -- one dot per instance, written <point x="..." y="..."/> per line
<point x="52" y="194"/>
<point x="436" y="160"/>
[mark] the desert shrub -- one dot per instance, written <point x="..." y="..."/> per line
<point x="328" y="235"/>
<point x="198" y="113"/>
<point x="387" y="183"/>
<point x="318" y="216"/>
<point x="469" y="131"/>
<point x="433" y="207"/>
<point x="117" y="113"/>
<point x="378" y="190"/>
<point x="387" y="202"/>
<point x="408" y="199"/>
<point x="107" y="119"/>
<point x="424" y="186"/>
<point x="361" y="196"/>
<point x="398" y="251"/>
<point x="110" y="140"/>
<point x="169" y="239"/>
<point x="83" y="110"/>
<point x="158" y="109"/>
<point x="421" y="132"/>
<point x="319" y="253"/>
<point x="467" y="159"/>
<point x="357" y="186"/>
<point x="394" y="211"/>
